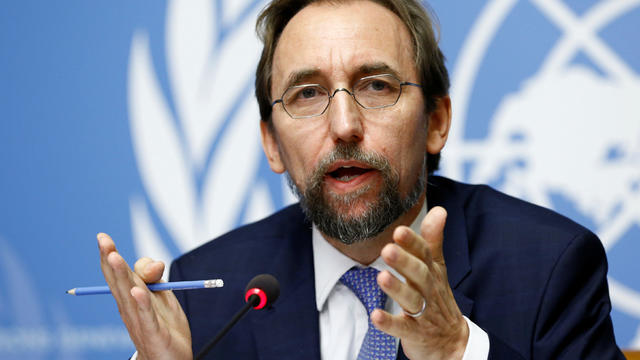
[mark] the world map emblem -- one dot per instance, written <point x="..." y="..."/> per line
<point x="545" y="107"/>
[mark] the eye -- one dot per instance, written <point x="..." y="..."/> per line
<point x="304" y="95"/>
<point x="378" y="85"/>
<point x="308" y="93"/>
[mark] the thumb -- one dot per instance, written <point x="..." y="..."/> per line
<point x="432" y="230"/>
<point x="150" y="271"/>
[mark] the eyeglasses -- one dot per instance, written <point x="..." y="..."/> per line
<point x="370" y="92"/>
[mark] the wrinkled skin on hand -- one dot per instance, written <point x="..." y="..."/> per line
<point x="441" y="331"/>
<point x="156" y="323"/>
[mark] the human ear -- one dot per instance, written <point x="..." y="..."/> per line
<point x="271" y="147"/>
<point x="439" y="125"/>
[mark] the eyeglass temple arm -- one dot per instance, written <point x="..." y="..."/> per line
<point x="410" y="83"/>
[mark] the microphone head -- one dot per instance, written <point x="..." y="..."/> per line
<point x="266" y="287"/>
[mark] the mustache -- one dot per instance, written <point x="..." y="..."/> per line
<point x="349" y="151"/>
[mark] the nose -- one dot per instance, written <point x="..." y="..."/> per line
<point x="345" y="118"/>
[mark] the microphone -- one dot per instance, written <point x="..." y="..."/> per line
<point x="263" y="288"/>
<point x="261" y="291"/>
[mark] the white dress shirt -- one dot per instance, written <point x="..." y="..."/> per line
<point x="344" y="319"/>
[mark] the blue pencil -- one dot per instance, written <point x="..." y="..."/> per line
<point x="177" y="285"/>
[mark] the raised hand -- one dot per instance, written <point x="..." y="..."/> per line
<point x="437" y="330"/>
<point x="156" y="323"/>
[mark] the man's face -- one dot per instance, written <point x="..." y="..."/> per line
<point x="351" y="157"/>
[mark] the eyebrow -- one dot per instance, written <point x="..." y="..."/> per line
<point x="297" y="77"/>
<point x="377" y="68"/>
<point x="300" y="76"/>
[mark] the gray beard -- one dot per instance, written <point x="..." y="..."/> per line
<point x="325" y="211"/>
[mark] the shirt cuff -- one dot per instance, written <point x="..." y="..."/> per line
<point x="477" y="344"/>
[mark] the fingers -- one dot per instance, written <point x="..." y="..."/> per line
<point x="120" y="279"/>
<point x="105" y="243"/>
<point x="412" y="243"/>
<point x="393" y="325"/>
<point x="148" y="320"/>
<point x="432" y="230"/>
<point x="429" y="282"/>
<point x="438" y="329"/>
<point x="427" y="246"/>
<point x="415" y="271"/>
<point x="107" y="247"/>
<point x="420" y="260"/>
<point x="150" y="271"/>
<point x="407" y="297"/>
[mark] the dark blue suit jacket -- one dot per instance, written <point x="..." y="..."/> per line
<point x="532" y="279"/>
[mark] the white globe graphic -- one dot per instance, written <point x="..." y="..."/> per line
<point x="568" y="138"/>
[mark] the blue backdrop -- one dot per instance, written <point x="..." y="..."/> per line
<point x="137" y="118"/>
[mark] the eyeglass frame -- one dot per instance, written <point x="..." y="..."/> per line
<point x="350" y="92"/>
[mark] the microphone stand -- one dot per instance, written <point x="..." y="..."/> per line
<point x="254" y="300"/>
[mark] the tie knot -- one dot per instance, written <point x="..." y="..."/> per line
<point x="362" y="281"/>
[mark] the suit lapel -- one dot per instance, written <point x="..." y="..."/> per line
<point x="455" y="246"/>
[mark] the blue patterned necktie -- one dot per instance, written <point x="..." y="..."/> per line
<point x="377" y="344"/>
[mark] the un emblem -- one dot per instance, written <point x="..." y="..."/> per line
<point x="567" y="133"/>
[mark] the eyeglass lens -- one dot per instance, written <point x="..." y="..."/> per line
<point x="370" y="92"/>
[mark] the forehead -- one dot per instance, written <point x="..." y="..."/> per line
<point x="337" y="42"/>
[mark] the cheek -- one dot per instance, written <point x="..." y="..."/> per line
<point x="403" y="141"/>
<point x="300" y="147"/>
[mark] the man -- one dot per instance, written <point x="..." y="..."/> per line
<point x="353" y="98"/>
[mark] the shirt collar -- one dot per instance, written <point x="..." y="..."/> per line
<point x="330" y="264"/>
